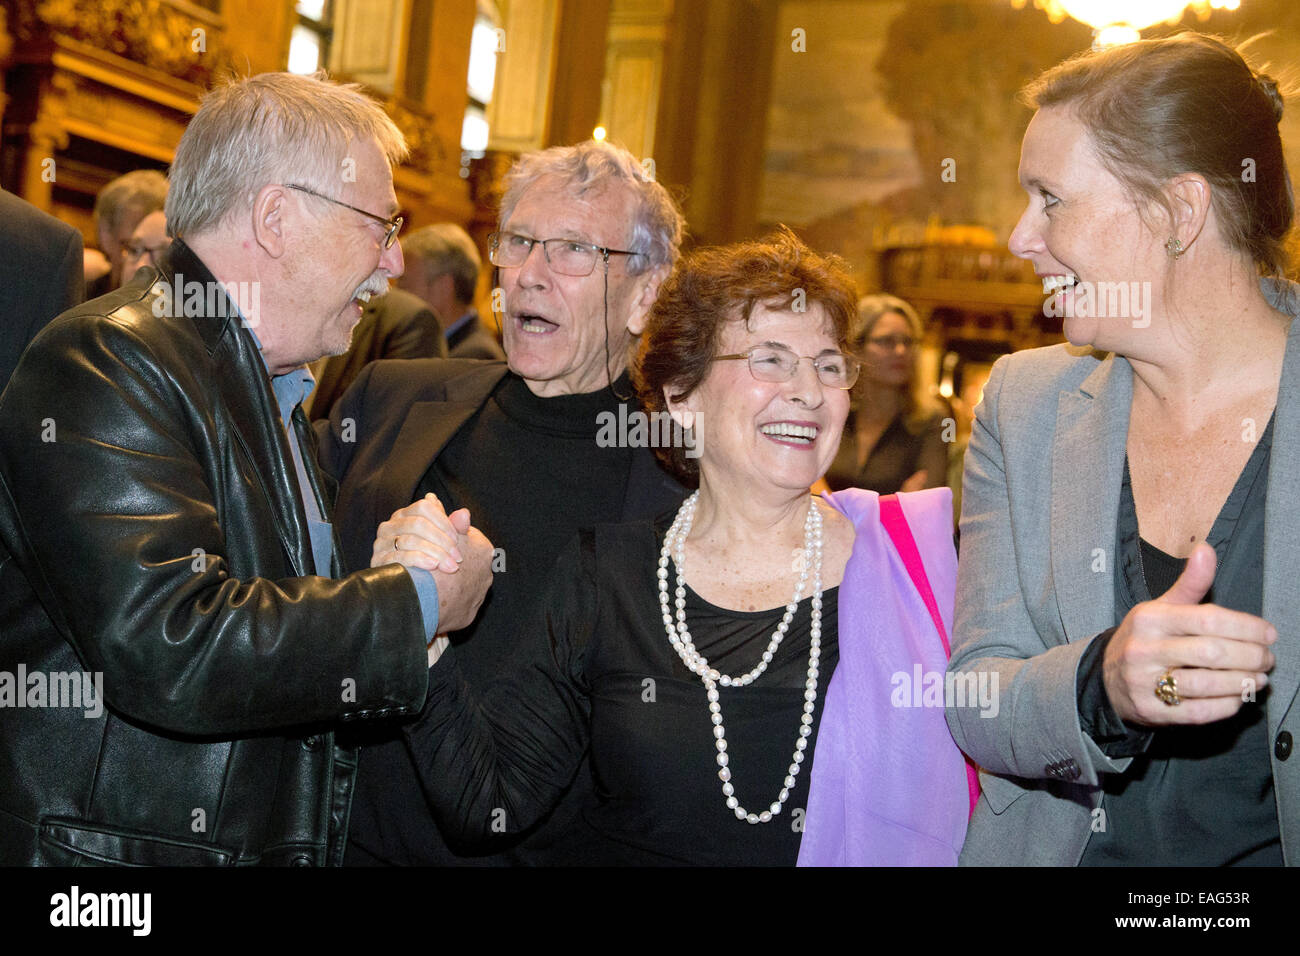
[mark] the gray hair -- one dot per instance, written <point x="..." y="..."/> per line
<point x="270" y="128"/>
<point x="445" y="248"/>
<point x="136" y="194"/>
<point x="657" y="222"/>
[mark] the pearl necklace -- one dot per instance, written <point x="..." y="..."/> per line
<point x="679" y="636"/>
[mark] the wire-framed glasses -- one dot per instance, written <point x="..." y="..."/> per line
<point x="567" y="257"/>
<point x="771" y="363"/>
<point x="392" y="225"/>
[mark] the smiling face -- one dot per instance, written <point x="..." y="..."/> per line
<point x="339" y="255"/>
<point x="758" y="437"/>
<point x="1081" y="225"/>
<point x="554" y="325"/>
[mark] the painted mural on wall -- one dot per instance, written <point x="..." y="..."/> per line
<point x="888" y="114"/>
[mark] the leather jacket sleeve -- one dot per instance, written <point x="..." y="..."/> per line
<point x="136" y="506"/>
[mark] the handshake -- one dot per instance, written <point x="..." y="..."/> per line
<point x="458" y="555"/>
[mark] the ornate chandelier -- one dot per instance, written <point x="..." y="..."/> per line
<point x="1118" y="21"/>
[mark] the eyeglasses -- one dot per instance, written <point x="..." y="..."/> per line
<point x="769" y="363"/>
<point x="892" y="343"/>
<point x="392" y="225"/>
<point x="567" y="257"/>
<point x="138" y="250"/>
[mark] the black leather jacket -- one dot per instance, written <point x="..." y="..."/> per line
<point x="151" y="530"/>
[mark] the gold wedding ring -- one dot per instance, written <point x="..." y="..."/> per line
<point x="1167" y="689"/>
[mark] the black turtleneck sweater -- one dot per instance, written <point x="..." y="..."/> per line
<point x="532" y="474"/>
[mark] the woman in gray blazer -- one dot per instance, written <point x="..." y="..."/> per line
<point x="1129" y="561"/>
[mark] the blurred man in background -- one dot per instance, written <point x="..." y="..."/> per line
<point x="119" y="207"/>
<point x="146" y="246"/>
<point x="442" y="268"/>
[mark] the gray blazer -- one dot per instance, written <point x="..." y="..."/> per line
<point x="1035" y="584"/>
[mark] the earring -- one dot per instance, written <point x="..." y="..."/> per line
<point x="1174" y="247"/>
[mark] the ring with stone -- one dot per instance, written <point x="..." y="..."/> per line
<point x="1167" y="689"/>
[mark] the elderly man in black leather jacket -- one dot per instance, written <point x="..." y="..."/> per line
<point x="165" y="537"/>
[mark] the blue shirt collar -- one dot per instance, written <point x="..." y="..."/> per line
<point x="291" y="388"/>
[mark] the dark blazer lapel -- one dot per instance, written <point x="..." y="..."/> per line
<point x="326" y="392"/>
<point x="1281" y="604"/>
<point x="424" y="433"/>
<point x="1087" y="464"/>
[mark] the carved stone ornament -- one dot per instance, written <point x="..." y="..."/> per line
<point x="427" y="150"/>
<point x="6" y="42"/>
<point x="151" y="32"/>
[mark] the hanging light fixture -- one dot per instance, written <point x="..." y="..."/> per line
<point x="1119" y="21"/>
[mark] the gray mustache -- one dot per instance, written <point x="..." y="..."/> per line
<point x="373" y="286"/>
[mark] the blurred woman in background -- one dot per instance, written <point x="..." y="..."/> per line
<point x="894" y="437"/>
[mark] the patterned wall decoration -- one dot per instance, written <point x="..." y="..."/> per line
<point x="903" y="113"/>
<point x="152" y="32"/>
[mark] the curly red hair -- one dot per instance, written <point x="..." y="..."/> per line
<point x="721" y="284"/>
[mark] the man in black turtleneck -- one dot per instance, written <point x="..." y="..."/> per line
<point x="585" y="240"/>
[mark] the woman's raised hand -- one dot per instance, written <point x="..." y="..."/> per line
<point x="1218" y="658"/>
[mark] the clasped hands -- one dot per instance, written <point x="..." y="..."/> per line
<point x="1217" y="657"/>
<point x="458" y="555"/>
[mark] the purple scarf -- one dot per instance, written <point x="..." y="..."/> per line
<point x="888" y="785"/>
